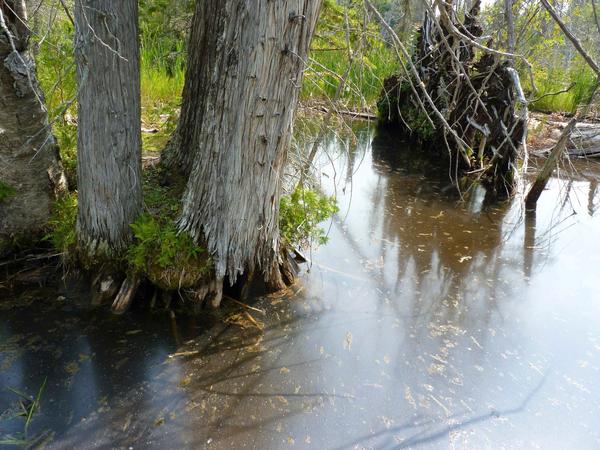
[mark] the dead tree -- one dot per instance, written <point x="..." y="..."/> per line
<point x="477" y="99"/>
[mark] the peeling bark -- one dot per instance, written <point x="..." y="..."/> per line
<point x="245" y="67"/>
<point x="109" y="117"/>
<point x="29" y="160"/>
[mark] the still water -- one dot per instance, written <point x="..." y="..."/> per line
<point x="429" y="320"/>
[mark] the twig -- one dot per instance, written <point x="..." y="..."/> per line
<point x="244" y="305"/>
<point x="551" y="94"/>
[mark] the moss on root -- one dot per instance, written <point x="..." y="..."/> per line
<point x="6" y="191"/>
<point x="167" y="257"/>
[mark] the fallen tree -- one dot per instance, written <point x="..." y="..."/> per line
<point x="457" y="103"/>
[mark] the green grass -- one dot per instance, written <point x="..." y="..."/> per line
<point x="27" y="407"/>
<point x="373" y="59"/>
<point x="162" y="78"/>
<point x="578" y="80"/>
<point x="62" y="224"/>
<point x="364" y="81"/>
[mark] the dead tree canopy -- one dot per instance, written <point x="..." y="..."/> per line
<point x="477" y="95"/>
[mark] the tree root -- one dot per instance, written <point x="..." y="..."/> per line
<point x="283" y="274"/>
<point x="210" y="293"/>
<point x="126" y="294"/>
<point x="104" y="288"/>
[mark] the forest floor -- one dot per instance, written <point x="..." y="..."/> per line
<point x="545" y="130"/>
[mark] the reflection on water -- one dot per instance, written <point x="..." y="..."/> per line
<point x="430" y="320"/>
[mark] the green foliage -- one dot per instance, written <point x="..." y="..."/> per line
<point x="62" y="232"/>
<point x="160" y="244"/>
<point x="66" y="138"/>
<point x="168" y="257"/>
<point x="373" y="59"/>
<point x="556" y="65"/>
<point x="396" y="107"/>
<point x="163" y="37"/>
<point x="300" y="216"/>
<point x="579" y="81"/>
<point x="6" y="191"/>
<point x="56" y="67"/>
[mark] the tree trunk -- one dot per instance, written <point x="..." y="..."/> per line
<point x="245" y="67"/>
<point x="109" y="139"/>
<point x="557" y="151"/>
<point x="510" y="26"/>
<point x="31" y="173"/>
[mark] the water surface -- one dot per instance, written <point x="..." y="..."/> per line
<point x="427" y="321"/>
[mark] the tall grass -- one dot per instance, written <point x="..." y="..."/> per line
<point x="162" y="59"/>
<point x="365" y="78"/>
<point x="576" y="81"/>
<point x="162" y="62"/>
<point x="162" y="70"/>
<point x="372" y="59"/>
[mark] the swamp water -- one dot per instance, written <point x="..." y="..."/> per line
<point x="425" y="322"/>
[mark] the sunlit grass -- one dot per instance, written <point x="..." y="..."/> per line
<point x="577" y="82"/>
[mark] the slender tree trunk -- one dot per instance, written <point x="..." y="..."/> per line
<point x="559" y="148"/>
<point x="31" y="174"/>
<point x="542" y="179"/>
<point x="245" y="67"/>
<point x="109" y="139"/>
<point x="510" y="26"/>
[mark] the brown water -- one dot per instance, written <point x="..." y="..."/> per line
<point x="427" y="321"/>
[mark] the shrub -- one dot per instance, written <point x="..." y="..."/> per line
<point x="300" y="216"/>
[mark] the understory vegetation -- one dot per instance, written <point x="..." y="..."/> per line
<point x="157" y="245"/>
<point x="558" y="80"/>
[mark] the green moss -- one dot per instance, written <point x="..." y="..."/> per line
<point x="300" y="216"/>
<point x="6" y="191"/>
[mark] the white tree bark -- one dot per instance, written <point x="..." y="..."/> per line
<point x="244" y="73"/>
<point x="109" y="139"/>
<point x="29" y="159"/>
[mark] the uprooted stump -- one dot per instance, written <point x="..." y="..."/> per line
<point x="477" y="97"/>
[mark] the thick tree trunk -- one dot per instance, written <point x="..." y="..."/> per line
<point x="30" y="170"/>
<point x="109" y="139"/>
<point x="245" y="67"/>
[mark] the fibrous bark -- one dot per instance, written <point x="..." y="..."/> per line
<point x="30" y="166"/>
<point x="109" y="139"/>
<point x="244" y="73"/>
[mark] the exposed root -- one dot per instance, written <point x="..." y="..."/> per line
<point x="210" y="293"/>
<point x="104" y="288"/>
<point x="126" y="294"/>
<point x="283" y="273"/>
